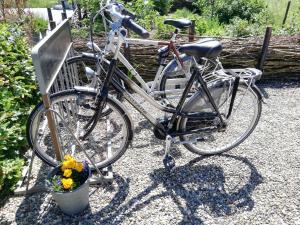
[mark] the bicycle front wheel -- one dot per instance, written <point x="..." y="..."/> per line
<point x="106" y="143"/>
<point x="244" y="118"/>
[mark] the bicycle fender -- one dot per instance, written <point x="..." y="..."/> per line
<point x="259" y="93"/>
<point x="172" y="67"/>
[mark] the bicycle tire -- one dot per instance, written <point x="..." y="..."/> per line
<point x="208" y="144"/>
<point x="45" y="151"/>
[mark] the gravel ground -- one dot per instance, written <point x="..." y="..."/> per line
<point x="256" y="183"/>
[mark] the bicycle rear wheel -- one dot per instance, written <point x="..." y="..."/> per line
<point x="244" y="118"/>
<point x="113" y="130"/>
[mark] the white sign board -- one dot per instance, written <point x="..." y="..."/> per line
<point x="49" y="55"/>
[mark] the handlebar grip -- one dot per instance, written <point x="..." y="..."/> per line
<point x="129" y="24"/>
<point x="125" y="12"/>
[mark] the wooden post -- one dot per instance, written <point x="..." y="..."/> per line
<point x="2" y="9"/>
<point x="79" y="12"/>
<point x="212" y="8"/>
<point x="64" y="13"/>
<point x="192" y="32"/>
<point x="286" y="13"/>
<point x="52" y="127"/>
<point x="264" y="50"/>
<point x="50" y="18"/>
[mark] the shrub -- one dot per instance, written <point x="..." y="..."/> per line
<point x="145" y="12"/>
<point x="243" y="9"/>
<point x="18" y="94"/>
<point x="163" y="6"/>
<point x="226" y="10"/>
<point x="39" y="24"/>
<point x="239" y="27"/>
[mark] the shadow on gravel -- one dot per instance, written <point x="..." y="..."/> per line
<point x="276" y="83"/>
<point x="279" y="83"/>
<point x="35" y="210"/>
<point x="197" y="185"/>
<point x="145" y="125"/>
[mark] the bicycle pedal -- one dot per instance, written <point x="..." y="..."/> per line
<point x="169" y="163"/>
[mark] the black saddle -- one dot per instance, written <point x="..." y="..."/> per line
<point x="178" y="23"/>
<point x="208" y="48"/>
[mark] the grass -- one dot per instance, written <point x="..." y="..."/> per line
<point x="41" y="3"/>
<point x="278" y="8"/>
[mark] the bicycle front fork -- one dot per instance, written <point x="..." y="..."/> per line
<point x="101" y="100"/>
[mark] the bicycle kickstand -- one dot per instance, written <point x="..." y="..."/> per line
<point x="169" y="161"/>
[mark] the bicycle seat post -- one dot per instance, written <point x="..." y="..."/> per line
<point x="174" y="35"/>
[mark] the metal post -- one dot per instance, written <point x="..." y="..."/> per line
<point x="52" y="127"/>
<point x="64" y="13"/>
<point x="50" y="18"/>
<point x="192" y="31"/>
<point x="264" y="50"/>
<point x="286" y="13"/>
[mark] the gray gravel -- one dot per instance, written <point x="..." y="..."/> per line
<point x="256" y="183"/>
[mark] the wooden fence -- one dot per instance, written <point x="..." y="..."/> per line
<point x="282" y="59"/>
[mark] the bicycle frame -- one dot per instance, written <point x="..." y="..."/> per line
<point x="177" y="112"/>
<point x="152" y="90"/>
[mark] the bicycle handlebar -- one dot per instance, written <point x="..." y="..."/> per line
<point x="127" y="21"/>
<point x="128" y="13"/>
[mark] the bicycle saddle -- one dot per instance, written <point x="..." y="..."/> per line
<point x="208" y="48"/>
<point x="178" y="23"/>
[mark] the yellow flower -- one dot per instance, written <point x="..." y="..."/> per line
<point x="69" y="164"/>
<point x="79" y="167"/>
<point x="67" y="183"/>
<point x="67" y="173"/>
<point x="68" y="157"/>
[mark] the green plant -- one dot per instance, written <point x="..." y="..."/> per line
<point x="239" y="27"/>
<point x="38" y="24"/>
<point x="145" y="11"/>
<point x="243" y="9"/>
<point x="226" y="10"/>
<point x="18" y="94"/>
<point x="163" y="6"/>
<point x="41" y="3"/>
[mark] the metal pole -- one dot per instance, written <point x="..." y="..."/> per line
<point x="50" y="18"/>
<point x="264" y="50"/>
<point x="64" y="13"/>
<point x="52" y="127"/>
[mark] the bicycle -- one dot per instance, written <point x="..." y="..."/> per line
<point x="222" y="112"/>
<point x="94" y="65"/>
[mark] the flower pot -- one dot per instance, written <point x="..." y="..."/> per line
<point x="71" y="202"/>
